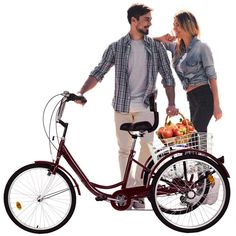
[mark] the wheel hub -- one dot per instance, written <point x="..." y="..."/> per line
<point x="191" y="194"/>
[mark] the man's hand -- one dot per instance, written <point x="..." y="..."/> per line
<point x="89" y="84"/>
<point x="82" y="99"/>
<point x="172" y="110"/>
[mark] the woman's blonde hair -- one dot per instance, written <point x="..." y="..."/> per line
<point x="189" y="23"/>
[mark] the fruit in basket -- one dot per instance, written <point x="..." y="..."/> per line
<point x="179" y="131"/>
<point x="191" y="128"/>
<point x="167" y="132"/>
<point x="188" y="124"/>
<point x="184" y="126"/>
<point x="159" y="132"/>
<point x="185" y="121"/>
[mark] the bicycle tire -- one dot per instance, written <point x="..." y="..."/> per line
<point x="196" y="218"/>
<point x="38" y="201"/>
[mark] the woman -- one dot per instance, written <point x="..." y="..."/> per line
<point x="193" y="63"/>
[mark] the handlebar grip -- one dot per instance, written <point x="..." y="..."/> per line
<point x="74" y="97"/>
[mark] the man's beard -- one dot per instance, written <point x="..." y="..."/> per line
<point x="143" y="32"/>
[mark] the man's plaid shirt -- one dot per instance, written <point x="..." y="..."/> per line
<point x="118" y="54"/>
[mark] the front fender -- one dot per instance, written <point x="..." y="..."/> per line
<point x="52" y="164"/>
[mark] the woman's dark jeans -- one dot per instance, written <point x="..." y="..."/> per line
<point x="201" y="109"/>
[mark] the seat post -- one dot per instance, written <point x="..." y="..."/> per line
<point x="134" y="138"/>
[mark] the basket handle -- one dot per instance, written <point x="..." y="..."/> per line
<point x="183" y="117"/>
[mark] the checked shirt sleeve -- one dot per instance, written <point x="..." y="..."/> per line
<point x="165" y="68"/>
<point x="108" y="60"/>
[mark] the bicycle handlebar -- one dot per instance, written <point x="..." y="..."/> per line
<point x="66" y="98"/>
<point x="73" y="97"/>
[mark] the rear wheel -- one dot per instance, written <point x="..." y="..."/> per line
<point x="37" y="200"/>
<point x="190" y="193"/>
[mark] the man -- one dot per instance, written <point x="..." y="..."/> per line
<point x="137" y="60"/>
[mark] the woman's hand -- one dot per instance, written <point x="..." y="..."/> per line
<point x="167" y="38"/>
<point x="217" y="113"/>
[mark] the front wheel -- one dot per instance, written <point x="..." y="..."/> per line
<point x="190" y="193"/>
<point x="37" y="200"/>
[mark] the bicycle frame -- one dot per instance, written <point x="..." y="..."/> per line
<point x="94" y="188"/>
<point x="62" y="151"/>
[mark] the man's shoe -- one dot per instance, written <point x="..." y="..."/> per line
<point x="139" y="204"/>
<point x="213" y="193"/>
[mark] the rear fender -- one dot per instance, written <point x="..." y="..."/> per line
<point x="176" y="154"/>
<point x="52" y="164"/>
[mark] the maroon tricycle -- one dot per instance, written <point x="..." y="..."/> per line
<point x="187" y="187"/>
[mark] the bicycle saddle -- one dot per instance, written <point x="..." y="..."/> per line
<point x="138" y="126"/>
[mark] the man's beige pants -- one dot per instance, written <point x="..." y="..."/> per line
<point x="125" y="142"/>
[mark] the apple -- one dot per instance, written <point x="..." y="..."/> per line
<point x="167" y="132"/>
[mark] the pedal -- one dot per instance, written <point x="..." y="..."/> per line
<point x="140" y="209"/>
<point x="100" y="198"/>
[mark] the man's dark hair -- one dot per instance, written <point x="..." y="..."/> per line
<point x="137" y="10"/>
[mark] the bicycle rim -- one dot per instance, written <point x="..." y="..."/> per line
<point x="38" y="201"/>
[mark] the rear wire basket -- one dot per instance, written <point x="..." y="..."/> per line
<point x="197" y="141"/>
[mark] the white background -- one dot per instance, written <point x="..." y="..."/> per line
<point x="49" y="46"/>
